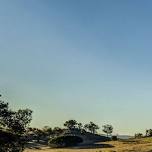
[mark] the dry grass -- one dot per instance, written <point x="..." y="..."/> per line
<point x="131" y="145"/>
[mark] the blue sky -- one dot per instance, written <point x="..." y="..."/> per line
<point x="80" y="59"/>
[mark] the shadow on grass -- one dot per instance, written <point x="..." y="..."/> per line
<point x="92" y="146"/>
<point x="35" y="145"/>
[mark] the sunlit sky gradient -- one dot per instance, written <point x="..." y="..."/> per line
<point x="78" y="59"/>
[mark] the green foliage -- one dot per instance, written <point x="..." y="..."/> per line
<point x="92" y="127"/>
<point x="149" y="132"/>
<point x="15" y="121"/>
<point x="108" y="129"/>
<point x="80" y="126"/>
<point x="114" y="138"/>
<point x="138" y="135"/>
<point x="5" y="114"/>
<point x="47" y="130"/>
<point x="10" y="142"/>
<point x="38" y="134"/>
<point x="43" y="134"/>
<point x="13" y="125"/>
<point x="57" y="131"/>
<point x="65" y="141"/>
<point x="19" y="120"/>
<point x="70" y="124"/>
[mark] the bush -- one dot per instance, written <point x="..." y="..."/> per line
<point x="138" y="135"/>
<point x="149" y="133"/>
<point x="13" y="126"/>
<point x="114" y="138"/>
<point x="10" y="142"/>
<point x="65" y="141"/>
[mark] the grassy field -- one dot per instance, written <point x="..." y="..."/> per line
<point x="137" y="145"/>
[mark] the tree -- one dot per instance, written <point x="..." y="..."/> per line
<point x="57" y="131"/>
<point x="38" y="134"/>
<point x="20" y="120"/>
<point x="138" y="135"/>
<point x="35" y="133"/>
<point x="5" y="114"/>
<point x="149" y="132"/>
<point x="108" y="129"/>
<point x="70" y="124"/>
<point x="92" y="127"/>
<point x="80" y="126"/>
<point x="12" y="126"/>
<point x="86" y="127"/>
<point x="47" y="130"/>
<point x="15" y="121"/>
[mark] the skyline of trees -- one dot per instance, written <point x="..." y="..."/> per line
<point x="18" y="121"/>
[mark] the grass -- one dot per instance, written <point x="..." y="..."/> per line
<point x="131" y="145"/>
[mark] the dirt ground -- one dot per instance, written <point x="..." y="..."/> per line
<point x="137" y="145"/>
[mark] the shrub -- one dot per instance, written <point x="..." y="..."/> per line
<point x="138" y="135"/>
<point x="65" y="141"/>
<point x="149" y="133"/>
<point x="10" y="142"/>
<point x="13" y="126"/>
<point x="114" y="138"/>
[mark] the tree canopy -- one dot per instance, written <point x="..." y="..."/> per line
<point x="70" y="124"/>
<point x="108" y="129"/>
<point x="92" y="127"/>
<point x="13" y="125"/>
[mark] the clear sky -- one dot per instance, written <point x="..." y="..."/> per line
<point x="89" y="60"/>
